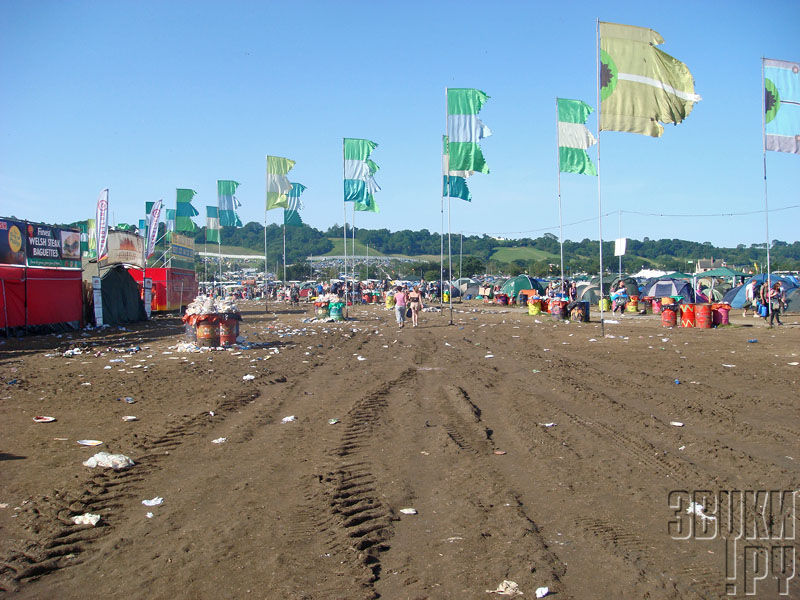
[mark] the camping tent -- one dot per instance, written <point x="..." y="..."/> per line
<point x="671" y="287"/>
<point x="631" y="286"/>
<point x="121" y="300"/>
<point x="736" y="296"/>
<point x="587" y="292"/>
<point x="793" y="300"/>
<point x="513" y="286"/>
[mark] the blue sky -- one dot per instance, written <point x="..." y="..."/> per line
<point x="145" y="97"/>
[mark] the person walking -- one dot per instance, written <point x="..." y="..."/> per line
<point x="619" y="298"/>
<point x="777" y="301"/>
<point x="415" y="302"/>
<point x="400" y="300"/>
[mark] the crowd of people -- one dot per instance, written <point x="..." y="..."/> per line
<point x="761" y="296"/>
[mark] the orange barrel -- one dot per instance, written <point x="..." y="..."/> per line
<point x="719" y="313"/>
<point x="669" y="315"/>
<point x="558" y="309"/>
<point x="321" y="309"/>
<point x="667" y="300"/>
<point x="633" y="305"/>
<point x="502" y="299"/>
<point x="208" y="333"/>
<point x="687" y="315"/>
<point x="656" y="304"/>
<point x="702" y="316"/>
<point x="228" y="331"/>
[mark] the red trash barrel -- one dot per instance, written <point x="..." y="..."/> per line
<point x="702" y="316"/>
<point x="687" y="315"/>
<point x="720" y="313"/>
<point x="656" y="304"/>
<point x="228" y="331"/>
<point x="558" y="308"/>
<point x="669" y="316"/>
<point x="208" y="333"/>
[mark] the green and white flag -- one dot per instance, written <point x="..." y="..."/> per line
<point x="465" y="130"/>
<point x="170" y="218"/>
<point x="291" y="214"/>
<point x="278" y="184"/>
<point x="453" y="186"/>
<point x="574" y="138"/>
<point x="228" y="203"/>
<point x="359" y="174"/>
<point x="212" y="224"/>
<point x="184" y="211"/>
<point x="782" y="106"/>
<point x="641" y="86"/>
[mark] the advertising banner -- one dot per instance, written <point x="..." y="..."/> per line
<point x="52" y="246"/>
<point x="12" y="242"/>
<point x="182" y="252"/>
<point x="124" y="247"/>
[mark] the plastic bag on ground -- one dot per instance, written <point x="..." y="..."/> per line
<point x="109" y="461"/>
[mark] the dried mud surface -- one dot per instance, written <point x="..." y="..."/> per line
<point x="448" y="420"/>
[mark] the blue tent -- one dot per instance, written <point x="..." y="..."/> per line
<point x="736" y="296"/>
<point x="671" y="287"/>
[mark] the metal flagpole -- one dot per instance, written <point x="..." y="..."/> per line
<point x="460" y="255"/>
<point x="560" y="222"/>
<point x="766" y="204"/>
<point x="266" y="279"/>
<point x="449" y="243"/>
<point x="353" y="253"/>
<point x="620" y="236"/>
<point x="445" y="178"/>
<point x="284" y="250"/>
<point x="344" y="232"/>
<point x="599" y="196"/>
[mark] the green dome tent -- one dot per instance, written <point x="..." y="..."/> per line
<point x="515" y="285"/>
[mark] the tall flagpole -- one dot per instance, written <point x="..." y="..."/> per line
<point x="599" y="196"/>
<point x="266" y="279"/>
<point x="344" y="231"/>
<point x="353" y="253"/>
<point x="284" y="250"/>
<point x="620" y="236"/>
<point x="560" y="222"/>
<point x="445" y="180"/>
<point x="449" y="244"/>
<point x="764" y="160"/>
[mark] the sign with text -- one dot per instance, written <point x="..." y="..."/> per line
<point x="52" y="246"/>
<point x="12" y="242"/>
<point x="182" y="251"/>
<point x="124" y="247"/>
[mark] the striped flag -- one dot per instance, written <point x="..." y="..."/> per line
<point x="212" y="224"/>
<point x="359" y="174"/>
<point x="291" y="214"/>
<point x="184" y="211"/>
<point x="465" y="130"/>
<point x="278" y="185"/>
<point x="228" y="203"/>
<point x="574" y="138"/>
<point x="453" y="186"/>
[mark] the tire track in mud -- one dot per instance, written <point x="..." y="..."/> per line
<point x="359" y="525"/>
<point x="56" y="542"/>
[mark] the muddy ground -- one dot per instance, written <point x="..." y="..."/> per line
<point x="533" y="451"/>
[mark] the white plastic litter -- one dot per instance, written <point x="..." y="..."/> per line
<point x="153" y="501"/>
<point x="408" y="511"/>
<point x="361" y="358"/>
<point x="793" y="364"/>
<point x="86" y="519"/>
<point x="489" y="356"/>
<point x="542" y="592"/>
<point x="611" y="321"/>
<point x="729" y="366"/>
<point x="506" y="588"/>
<point x="699" y="510"/>
<point x="149" y="515"/>
<point x="288" y="419"/>
<point x="547" y="424"/>
<point x="110" y="461"/>
<point x="129" y="418"/>
<point x="676" y="423"/>
<point x="219" y="440"/>
<point x="248" y="377"/>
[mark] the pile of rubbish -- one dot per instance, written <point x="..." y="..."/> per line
<point x="206" y="305"/>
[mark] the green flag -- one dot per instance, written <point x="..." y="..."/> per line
<point x="228" y="203"/>
<point x="212" y="224"/>
<point x="184" y="211"/>
<point x="278" y="185"/>
<point x="453" y="186"/>
<point x="641" y="86"/>
<point x="359" y="173"/>
<point x="465" y="130"/>
<point x="291" y="215"/>
<point x="574" y="138"/>
<point x="781" y="105"/>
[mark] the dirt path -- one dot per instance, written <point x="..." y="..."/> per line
<point x="533" y="451"/>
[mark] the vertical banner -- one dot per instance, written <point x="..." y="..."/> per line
<point x="148" y="295"/>
<point x="97" y="295"/>
<point x="152" y="228"/>
<point x="101" y="224"/>
<point x="619" y="246"/>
